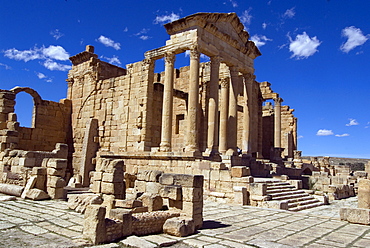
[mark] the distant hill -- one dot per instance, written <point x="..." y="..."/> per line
<point x="355" y="163"/>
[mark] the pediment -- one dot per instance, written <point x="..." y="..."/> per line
<point x="225" y="26"/>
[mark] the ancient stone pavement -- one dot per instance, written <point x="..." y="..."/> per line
<point x="25" y="223"/>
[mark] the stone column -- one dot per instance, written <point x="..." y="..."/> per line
<point x="233" y="112"/>
<point x="193" y="102"/>
<point x="277" y="122"/>
<point x="224" y="113"/>
<point x="248" y="81"/>
<point x="166" y="134"/>
<point x="212" y="134"/>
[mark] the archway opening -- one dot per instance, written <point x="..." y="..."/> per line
<point x="24" y="108"/>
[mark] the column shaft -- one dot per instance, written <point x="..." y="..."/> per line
<point x="224" y="114"/>
<point x="233" y="112"/>
<point x="193" y="102"/>
<point x="247" y="127"/>
<point x="166" y="134"/>
<point x="212" y="134"/>
<point x="277" y="124"/>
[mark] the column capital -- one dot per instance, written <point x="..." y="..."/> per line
<point x="216" y="60"/>
<point x="249" y="77"/>
<point x="194" y="52"/>
<point x="278" y="100"/>
<point x="225" y="82"/>
<point x="169" y="57"/>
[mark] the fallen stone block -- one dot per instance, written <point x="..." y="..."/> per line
<point x="154" y="202"/>
<point x="37" y="194"/>
<point x="10" y="189"/>
<point x="128" y="203"/>
<point x="172" y="192"/>
<point x="94" y="228"/>
<point x="355" y="215"/>
<point x="179" y="226"/>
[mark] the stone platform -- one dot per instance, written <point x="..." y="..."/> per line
<point x="25" y="223"/>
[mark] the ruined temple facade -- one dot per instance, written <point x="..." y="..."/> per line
<point x="204" y="118"/>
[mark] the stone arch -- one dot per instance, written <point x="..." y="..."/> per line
<point x="37" y="100"/>
<point x="36" y="97"/>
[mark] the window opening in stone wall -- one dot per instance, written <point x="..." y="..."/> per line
<point x="24" y="106"/>
<point x="179" y="119"/>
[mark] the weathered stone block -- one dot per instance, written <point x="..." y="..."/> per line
<point x="153" y="188"/>
<point x="27" y="162"/>
<point x="189" y="180"/>
<point x="192" y="194"/>
<point x="57" y="193"/>
<point x="39" y="171"/>
<point x="240" y="171"/>
<point x="172" y="192"/>
<point x="37" y="194"/>
<point x="364" y="193"/>
<point x="96" y="187"/>
<point x="112" y="177"/>
<point x="192" y="208"/>
<point x="179" y="226"/>
<point x="257" y="189"/>
<point x="149" y="175"/>
<point x="355" y="215"/>
<point x="55" y="172"/>
<point x="57" y="163"/>
<point x="10" y="189"/>
<point x="55" y="182"/>
<point x="140" y="186"/>
<point x="128" y="203"/>
<point x="112" y="188"/>
<point x="94" y="224"/>
<point x="241" y="195"/>
<point x="152" y="201"/>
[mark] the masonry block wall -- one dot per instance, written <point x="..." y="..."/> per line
<point x="50" y="125"/>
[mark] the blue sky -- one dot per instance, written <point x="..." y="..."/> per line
<point x="314" y="53"/>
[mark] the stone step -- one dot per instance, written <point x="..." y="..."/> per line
<point x="291" y="192"/>
<point x="271" y="191"/>
<point x="302" y="198"/>
<point x="302" y="203"/>
<point x="277" y="184"/>
<point x="290" y="197"/>
<point x="303" y="207"/>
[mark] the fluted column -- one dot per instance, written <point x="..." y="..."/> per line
<point x="193" y="102"/>
<point x="212" y="134"/>
<point x="166" y="134"/>
<point x="277" y="124"/>
<point x="247" y="127"/>
<point x="233" y="112"/>
<point x="224" y="114"/>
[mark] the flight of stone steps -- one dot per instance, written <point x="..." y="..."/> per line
<point x="297" y="199"/>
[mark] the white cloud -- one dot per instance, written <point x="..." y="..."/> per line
<point x="342" y="135"/>
<point x="114" y="60"/>
<point x="289" y="13"/>
<point x="303" y="46"/>
<point x="259" y="40"/>
<point x="109" y="43"/>
<point x="40" y="75"/>
<point x="234" y="3"/>
<point x="324" y="132"/>
<point x="54" y="66"/>
<point x="55" y="52"/>
<point x="6" y="66"/>
<point x="264" y="25"/>
<point x="56" y="34"/>
<point x="25" y="55"/>
<point x="166" y="18"/>
<point x="246" y="17"/>
<point x="142" y="33"/>
<point x="355" y="38"/>
<point x="51" y="52"/>
<point x="352" y="122"/>
<point x="144" y="37"/>
<point x="300" y="137"/>
<point x="126" y="29"/>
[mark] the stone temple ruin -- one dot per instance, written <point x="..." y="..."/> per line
<point x="127" y="141"/>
